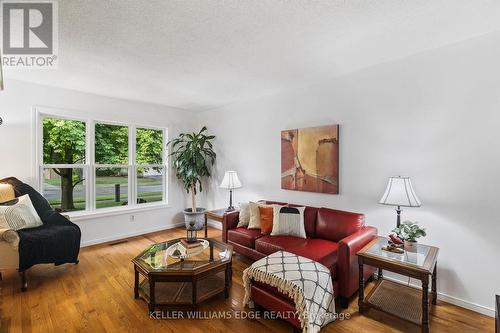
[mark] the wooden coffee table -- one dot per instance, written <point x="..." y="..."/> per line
<point x="169" y="282"/>
<point x="397" y="299"/>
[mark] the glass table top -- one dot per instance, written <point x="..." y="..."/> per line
<point x="413" y="258"/>
<point x="161" y="258"/>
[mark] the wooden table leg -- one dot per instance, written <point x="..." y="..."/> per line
<point x="136" y="283"/>
<point x="194" y="292"/>
<point x="152" y="298"/>
<point x="434" y="285"/>
<point x="361" y="296"/>
<point x="380" y="273"/>
<point x="425" y="304"/>
<point x="227" y="280"/>
<point x="206" y="226"/>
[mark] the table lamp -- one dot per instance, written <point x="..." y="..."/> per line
<point x="400" y="193"/>
<point x="230" y="181"/>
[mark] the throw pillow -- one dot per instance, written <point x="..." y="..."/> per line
<point x="266" y="219"/>
<point x="244" y="215"/>
<point x="6" y="193"/>
<point x="254" y="222"/>
<point x="19" y="214"/>
<point x="289" y="221"/>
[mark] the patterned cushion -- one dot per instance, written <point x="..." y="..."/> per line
<point x="19" y="214"/>
<point x="289" y="221"/>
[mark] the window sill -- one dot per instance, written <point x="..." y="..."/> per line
<point x="105" y="212"/>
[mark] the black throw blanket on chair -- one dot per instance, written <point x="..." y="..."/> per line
<point x="57" y="241"/>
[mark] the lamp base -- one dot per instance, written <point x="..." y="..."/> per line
<point x="231" y="207"/>
<point x="398" y="218"/>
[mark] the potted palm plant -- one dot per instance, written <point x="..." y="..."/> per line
<point x="409" y="232"/>
<point x="192" y="155"/>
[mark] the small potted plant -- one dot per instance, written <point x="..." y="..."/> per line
<point x="409" y="232"/>
<point x="192" y="154"/>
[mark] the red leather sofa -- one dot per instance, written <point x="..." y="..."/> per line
<point x="333" y="238"/>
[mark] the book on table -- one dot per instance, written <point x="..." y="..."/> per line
<point x="191" y="247"/>
<point x="190" y="244"/>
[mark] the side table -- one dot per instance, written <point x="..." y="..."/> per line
<point x="397" y="299"/>
<point x="215" y="215"/>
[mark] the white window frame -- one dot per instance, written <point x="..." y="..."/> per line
<point x="89" y="167"/>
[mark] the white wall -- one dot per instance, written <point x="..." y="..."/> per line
<point x="434" y="117"/>
<point x="17" y="155"/>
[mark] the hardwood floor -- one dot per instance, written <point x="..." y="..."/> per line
<point x="97" y="296"/>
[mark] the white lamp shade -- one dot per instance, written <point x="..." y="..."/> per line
<point x="399" y="192"/>
<point x="230" y="180"/>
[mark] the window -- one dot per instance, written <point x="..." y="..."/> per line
<point x="88" y="165"/>
<point x="111" y="165"/>
<point x="150" y="171"/>
<point x="64" y="163"/>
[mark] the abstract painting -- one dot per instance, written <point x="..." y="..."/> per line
<point x="310" y="159"/>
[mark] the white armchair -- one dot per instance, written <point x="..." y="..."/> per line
<point x="58" y="237"/>
<point x="9" y="239"/>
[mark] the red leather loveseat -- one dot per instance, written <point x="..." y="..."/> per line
<point x="333" y="238"/>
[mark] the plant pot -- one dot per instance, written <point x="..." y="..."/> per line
<point x="410" y="246"/>
<point x="194" y="220"/>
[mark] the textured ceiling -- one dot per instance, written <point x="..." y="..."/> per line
<point x="203" y="54"/>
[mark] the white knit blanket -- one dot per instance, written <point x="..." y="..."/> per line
<point x="307" y="282"/>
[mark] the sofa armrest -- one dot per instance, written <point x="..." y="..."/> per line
<point x="229" y="221"/>
<point x="348" y="267"/>
<point x="10" y="236"/>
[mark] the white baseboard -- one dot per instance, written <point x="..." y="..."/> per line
<point x="130" y="234"/>
<point x="467" y="305"/>
<point x="452" y="299"/>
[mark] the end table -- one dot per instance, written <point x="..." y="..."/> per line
<point x="395" y="298"/>
<point x="216" y="215"/>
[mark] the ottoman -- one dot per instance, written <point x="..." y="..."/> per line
<point x="292" y="286"/>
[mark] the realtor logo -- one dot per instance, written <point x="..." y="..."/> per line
<point x="29" y="34"/>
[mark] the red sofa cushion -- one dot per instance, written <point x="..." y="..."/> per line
<point x="323" y="251"/>
<point x="271" y="244"/>
<point x="337" y="224"/>
<point x="244" y="236"/>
